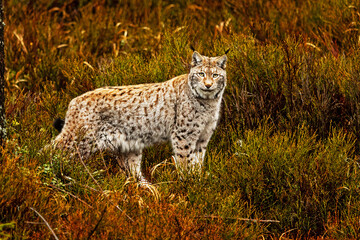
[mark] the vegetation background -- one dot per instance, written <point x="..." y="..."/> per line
<point x="286" y="149"/>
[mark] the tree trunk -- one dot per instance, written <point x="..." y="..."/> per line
<point x="2" y="80"/>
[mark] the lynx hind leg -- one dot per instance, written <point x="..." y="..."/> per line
<point x="76" y="145"/>
<point x="132" y="162"/>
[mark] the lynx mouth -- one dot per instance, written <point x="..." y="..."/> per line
<point x="208" y="93"/>
<point x="207" y="89"/>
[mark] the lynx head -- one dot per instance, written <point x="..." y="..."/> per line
<point x="207" y="77"/>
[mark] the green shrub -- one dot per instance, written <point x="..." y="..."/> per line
<point x="286" y="148"/>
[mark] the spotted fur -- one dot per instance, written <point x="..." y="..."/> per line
<point x="124" y="120"/>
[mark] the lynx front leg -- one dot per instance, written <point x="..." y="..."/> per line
<point x="203" y="141"/>
<point x="184" y="146"/>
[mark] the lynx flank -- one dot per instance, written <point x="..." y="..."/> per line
<point x="124" y="120"/>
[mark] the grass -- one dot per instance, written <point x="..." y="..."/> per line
<point x="286" y="148"/>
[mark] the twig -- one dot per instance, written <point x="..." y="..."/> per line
<point x="34" y="223"/>
<point x="72" y="195"/>
<point x="96" y="182"/>
<point x="47" y="224"/>
<point x="159" y="183"/>
<point x="98" y="223"/>
<point x="81" y="185"/>
<point x="99" y="191"/>
<point x="240" y="219"/>
<point x="287" y="232"/>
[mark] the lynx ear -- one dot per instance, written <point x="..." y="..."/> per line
<point x="196" y="59"/>
<point x="221" y="61"/>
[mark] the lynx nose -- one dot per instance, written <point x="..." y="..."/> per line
<point x="208" y="85"/>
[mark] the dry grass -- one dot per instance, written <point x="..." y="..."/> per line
<point x="286" y="149"/>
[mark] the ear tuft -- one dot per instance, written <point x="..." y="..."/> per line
<point x="196" y="59"/>
<point x="221" y="61"/>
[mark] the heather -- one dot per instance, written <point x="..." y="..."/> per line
<point x="282" y="163"/>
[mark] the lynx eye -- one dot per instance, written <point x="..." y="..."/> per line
<point x="215" y="75"/>
<point x="201" y="74"/>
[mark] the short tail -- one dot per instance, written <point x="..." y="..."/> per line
<point x="58" y="124"/>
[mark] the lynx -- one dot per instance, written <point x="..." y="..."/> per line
<point x="124" y="120"/>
